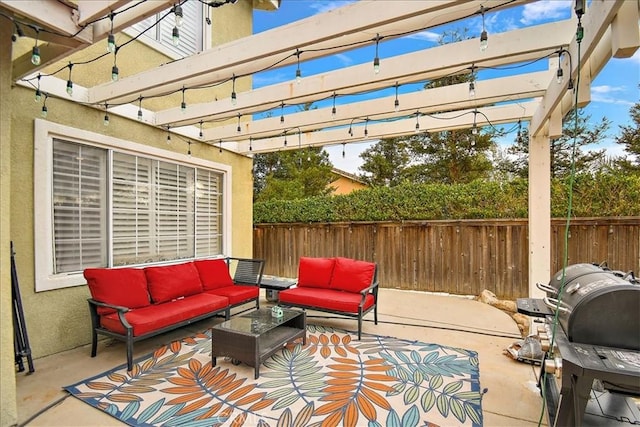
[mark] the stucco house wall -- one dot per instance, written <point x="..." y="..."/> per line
<point x="58" y="320"/>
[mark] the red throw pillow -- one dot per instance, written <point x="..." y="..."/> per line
<point x="214" y="273"/>
<point x="173" y="281"/>
<point x="352" y="275"/>
<point x="126" y="287"/>
<point x="315" y="272"/>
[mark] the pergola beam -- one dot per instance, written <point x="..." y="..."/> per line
<point x="354" y="23"/>
<point x="533" y="42"/>
<point x="446" y="121"/>
<point x="89" y="11"/>
<point x="596" y="22"/>
<point x="448" y="98"/>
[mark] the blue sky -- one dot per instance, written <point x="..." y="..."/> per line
<point x="613" y="91"/>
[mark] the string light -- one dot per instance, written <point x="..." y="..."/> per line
<point x="189" y="148"/>
<point x="285" y="138"/>
<point x="183" y="104"/>
<point x="175" y="36"/>
<point x="343" y="147"/>
<point x="38" y="95"/>
<point x="472" y="90"/>
<point x="366" y="122"/>
<point x="234" y="98"/>
<point x="333" y="109"/>
<point x="111" y="39"/>
<point x="140" y="108"/>
<point x="417" y="121"/>
<point x="219" y="142"/>
<point x="298" y="72"/>
<point x="44" y="110"/>
<point x="350" y="131"/>
<point x="474" y="129"/>
<point x="106" y="114"/>
<point x="115" y="72"/>
<point x="35" y="52"/>
<point x="69" y="82"/>
<point x="19" y="33"/>
<point x="201" y="135"/>
<point x="376" y="59"/>
<point x="519" y="135"/>
<point x="396" y="103"/>
<point x="484" y="42"/>
<point x="177" y="11"/>
<point x="282" y="112"/>
<point x="168" y="135"/>
<point x="239" y="129"/>
<point x="250" y="144"/>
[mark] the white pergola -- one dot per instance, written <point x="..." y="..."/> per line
<point x="610" y="30"/>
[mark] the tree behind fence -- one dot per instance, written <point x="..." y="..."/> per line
<point x="460" y="257"/>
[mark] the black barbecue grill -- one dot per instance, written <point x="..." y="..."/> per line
<point x="592" y="319"/>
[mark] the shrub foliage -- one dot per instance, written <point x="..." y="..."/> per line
<point x="593" y="196"/>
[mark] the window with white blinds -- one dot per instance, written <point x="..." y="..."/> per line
<point x="158" y="211"/>
<point x="191" y="31"/>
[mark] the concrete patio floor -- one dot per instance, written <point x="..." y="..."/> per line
<point x="512" y="397"/>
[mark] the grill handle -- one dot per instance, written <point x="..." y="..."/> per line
<point x="555" y="304"/>
<point x="547" y="288"/>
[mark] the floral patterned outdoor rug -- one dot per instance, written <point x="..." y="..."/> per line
<point x="333" y="380"/>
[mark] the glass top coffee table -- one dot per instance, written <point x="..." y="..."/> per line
<point x="254" y="337"/>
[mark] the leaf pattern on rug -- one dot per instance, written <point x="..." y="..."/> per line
<point x="332" y="380"/>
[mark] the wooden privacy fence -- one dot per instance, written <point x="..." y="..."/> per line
<point x="459" y="257"/>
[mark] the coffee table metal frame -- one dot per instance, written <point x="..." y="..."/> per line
<point x="254" y="337"/>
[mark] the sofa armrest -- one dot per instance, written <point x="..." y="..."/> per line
<point x="93" y="306"/>
<point x="246" y="271"/>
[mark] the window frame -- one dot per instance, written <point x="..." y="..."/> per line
<point x="44" y="133"/>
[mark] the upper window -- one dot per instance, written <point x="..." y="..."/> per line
<point x="104" y="206"/>
<point x="191" y="33"/>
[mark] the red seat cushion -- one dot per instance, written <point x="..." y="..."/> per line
<point x="237" y="293"/>
<point x="126" y="287"/>
<point x="325" y="298"/>
<point x="214" y="273"/>
<point x="315" y="272"/>
<point x="352" y="275"/>
<point x="172" y="281"/>
<point x="154" y="317"/>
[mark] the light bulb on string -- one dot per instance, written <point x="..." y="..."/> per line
<point x="282" y="112"/>
<point x="250" y="144"/>
<point x="417" y="121"/>
<point x="44" y="110"/>
<point x="472" y="90"/>
<point x="559" y="73"/>
<point x="111" y="39"/>
<point x="298" y="72"/>
<point x="200" y="134"/>
<point x="168" y="134"/>
<point x="396" y="103"/>
<point x="35" y="52"/>
<point x="140" y="108"/>
<point x="115" y="72"/>
<point x="234" y="98"/>
<point x="376" y="59"/>
<point x="69" y="82"/>
<point x="343" y="149"/>
<point x="484" y="41"/>
<point x="220" y="146"/>
<point x="189" y="149"/>
<point x="106" y="115"/>
<point x="239" y="129"/>
<point x="177" y="11"/>
<point x="333" y="109"/>
<point x="175" y="36"/>
<point x="183" y="104"/>
<point x="38" y="94"/>
<point x="366" y="122"/>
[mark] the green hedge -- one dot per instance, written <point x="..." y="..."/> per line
<point x="602" y="195"/>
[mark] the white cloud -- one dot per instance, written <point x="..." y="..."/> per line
<point x="607" y="94"/>
<point x="429" y="36"/>
<point x="326" y="6"/>
<point x="345" y="59"/>
<point x="270" y="79"/>
<point x="545" y="10"/>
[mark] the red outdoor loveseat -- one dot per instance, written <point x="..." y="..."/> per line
<point x="342" y="286"/>
<point x="132" y="304"/>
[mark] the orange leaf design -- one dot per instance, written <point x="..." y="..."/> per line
<point x="374" y="362"/>
<point x="335" y="339"/>
<point x="175" y="346"/>
<point x="342" y="381"/>
<point x="239" y="420"/>
<point x="114" y="376"/>
<point x="380" y="377"/>
<point x="160" y="352"/>
<point x="346" y="339"/>
<point x="232" y="386"/>
<point x="345" y="367"/>
<point x="376" y="399"/>
<point x="262" y="404"/>
<point x="351" y="415"/>
<point x="367" y="409"/>
<point x="89" y="395"/>
<point x="325" y="352"/>
<point x="182" y="390"/>
<point x="211" y="412"/>
<point x="241" y="392"/>
<point x="378" y="386"/>
<point x="329" y="408"/>
<point x="117" y="397"/>
<point x="345" y="374"/>
<point x="182" y="381"/>
<point x="322" y="339"/>
<point x="195" y="365"/>
<point x="185" y="398"/>
<point x="332" y="420"/>
<point x="97" y="385"/>
<point x="226" y="412"/>
<point x="343" y="388"/>
<point x="338" y="396"/>
<point x="187" y="373"/>
<point x="251" y="398"/>
<point x="194" y="405"/>
<point x="341" y="351"/>
<point x="347" y="361"/>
